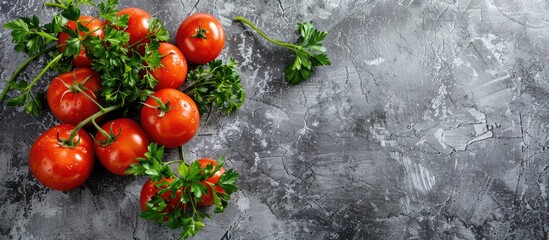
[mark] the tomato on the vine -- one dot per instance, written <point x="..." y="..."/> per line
<point x="72" y="96"/>
<point x="149" y="190"/>
<point x="138" y="26"/>
<point x="170" y="117"/>
<point x="126" y="141"/>
<point x="173" y="71"/>
<point x="57" y="164"/>
<point x="95" y="28"/>
<point x="201" y="38"/>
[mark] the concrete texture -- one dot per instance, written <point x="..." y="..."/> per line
<point x="431" y="123"/>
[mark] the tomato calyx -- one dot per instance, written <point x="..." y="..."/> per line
<point x="200" y="32"/>
<point x="110" y="136"/>
<point x="78" y="87"/>
<point x="70" y="142"/>
<point x="163" y="108"/>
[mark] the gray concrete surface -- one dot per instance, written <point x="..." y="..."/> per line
<point x="431" y="123"/>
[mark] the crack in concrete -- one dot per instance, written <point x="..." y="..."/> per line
<point x="193" y="8"/>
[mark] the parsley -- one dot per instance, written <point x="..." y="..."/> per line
<point x="31" y="37"/>
<point x="189" y="181"/>
<point x="309" y="51"/>
<point x="124" y="71"/>
<point x="216" y="85"/>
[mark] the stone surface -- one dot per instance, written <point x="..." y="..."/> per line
<point x="431" y="123"/>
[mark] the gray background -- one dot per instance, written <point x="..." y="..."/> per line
<point x="431" y="123"/>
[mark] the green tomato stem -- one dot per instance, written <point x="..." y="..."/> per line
<point x="100" y="130"/>
<point x="70" y="141"/>
<point x="20" y="69"/>
<point x="80" y="90"/>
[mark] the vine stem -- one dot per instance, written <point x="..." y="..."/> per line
<point x="74" y="132"/>
<point x="20" y="69"/>
<point x="99" y="129"/>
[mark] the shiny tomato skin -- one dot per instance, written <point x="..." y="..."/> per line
<point x="207" y="199"/>
<point x="205" y="162"/>
<point x="131" y="143"/>
<point x="69" y="106"/>
<point x="200" y="50"/>
<point x="138" y="26"/>
<point x="149" y="190"/>
<point x="95" y="28"/>
<point x="178" y="125"/>
<point x="58" y="167"/>
<point x="174" y="70"/>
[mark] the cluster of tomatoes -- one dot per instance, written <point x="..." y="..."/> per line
<point x="63" y="156"/>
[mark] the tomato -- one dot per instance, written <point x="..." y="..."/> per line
<point x="67" y="102"/>
<point x="60" y="167"/>
<point x="201" y="38"/>
<point x="95" y="28"/>
<point x="129" y="142"/>
<point x="174" y="70"/>
<point x="149" y="190"/>
<point x="173" y="126"/>
<point x="205" y="162"/>
<point x="138" y="26"/>
<point x="208" y="199"/>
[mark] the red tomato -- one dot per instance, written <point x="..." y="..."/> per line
<point x="201" y="38"/>
<point x="174" y="70"/>
<point x="208" y="199"/>
<point x="138" y="26"/>
<point x="95" y="28"/>
<point x="149" y="190"/>
<point x="173" y="127"/>
<point x="205" y="162"/>
<point x="66" y="103"/>
<point x="130" y="143"/>
<point x="59" y="167"/>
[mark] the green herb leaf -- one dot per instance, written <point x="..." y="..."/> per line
<point x="108" y="10"/>
<point x="72" y="12"/>
<point x="216" y="85"/>
<point x="151" y="165"/>
<point x="177" y="198"/>
<point x="309" y="50"/>
<point x="29" y="36"/>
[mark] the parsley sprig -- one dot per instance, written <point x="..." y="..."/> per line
<point x="309" y="51"/>
<point x="124" y="69"/>
<point x="216" y="85"/>
<point x="189" y="181"/>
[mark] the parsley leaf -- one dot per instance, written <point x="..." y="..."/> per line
<point x="216" y="85"/>
<point x="29" y="36"/>
<point x="185" y="190"/>
<point x="309" y="51"/>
